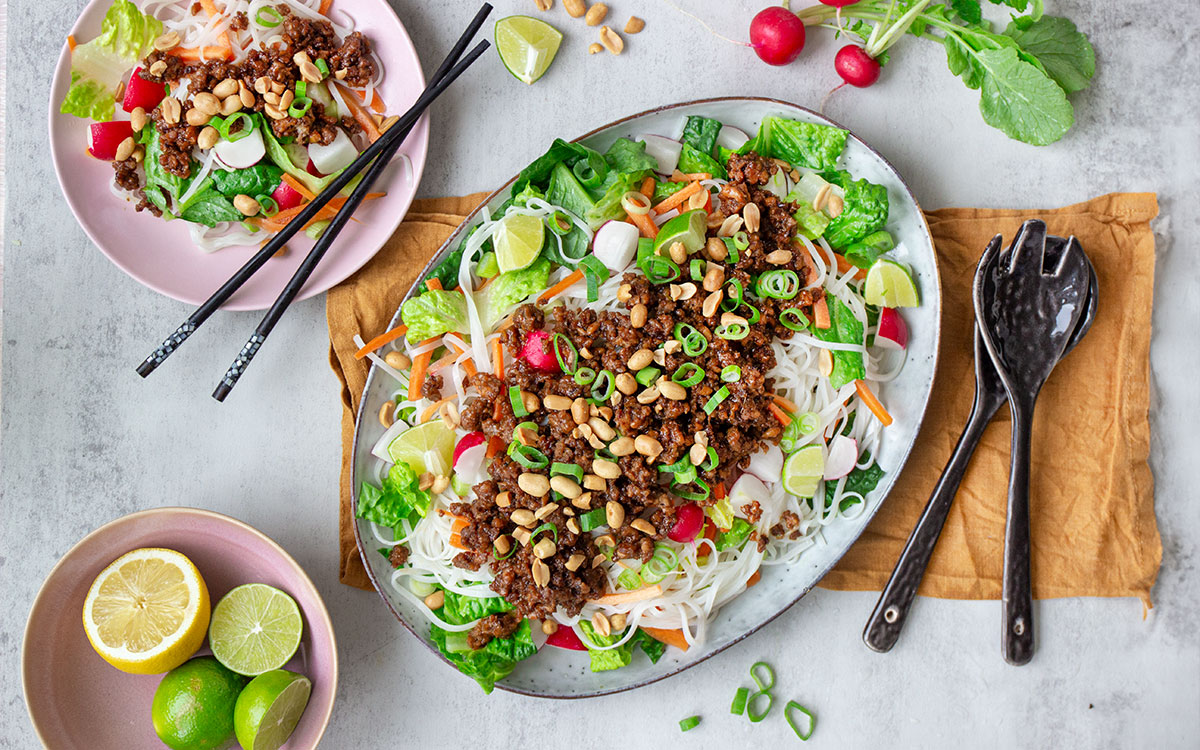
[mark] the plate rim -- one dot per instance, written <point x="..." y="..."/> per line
<point x="420" y="131"/>
<point x="436" y="258"/>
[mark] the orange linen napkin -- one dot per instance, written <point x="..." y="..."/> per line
<point x="1093" y="525"/>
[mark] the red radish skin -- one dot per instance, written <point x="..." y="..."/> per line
<point x="838" y="3"/>
<point x="105" y="137"/>
<point x="688" y="521"/>
<point x="856" y="67"/>
<point x="470" y="440"/>
<point x="312" y="169"/>
<point x="776" y="35"/>
<point x="142" y="93"/>
<point x="287" y="196"/>
<point x="565" y="637"/>
<point x="893" y="331"/>
<point x="538" y="352"/>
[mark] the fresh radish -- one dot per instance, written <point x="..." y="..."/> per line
<point x="312" y="169"/>
<point x="843" y="454"/>
<point x="470" y="440"/>
<point x="615" y="244"/>
<point x="242" y="153"/>
<point x="142" y="93"/>
<point x="767" y="465"/>
<point x="749" y="489"/>
<point x="335" y="156"/>
<point x="105" y="137"/>
<point x="664" y="150"/>
<point x="838" y="3"/>
<point x="731" y="138"/>
<point x="892" y="332"/>
<point x="286" y="196"/>
<point x="565" y="637"/>
<point x="776" y="35"/>
<point x="469" y="464"/>
<point x="688" y="521"/>
<point x="855" y="66"/>
<point x="539" y="353"/>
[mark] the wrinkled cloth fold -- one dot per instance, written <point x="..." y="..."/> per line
<point x="1092" y="509"/>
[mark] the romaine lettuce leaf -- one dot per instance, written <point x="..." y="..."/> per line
<point x="99" y="66"/>
<point x="433" y="313"/>
<point x="843" y="328"/>
<point x="736" y="536"/>
<point x="811" y="223"/>
<point x="664" y="190"/>
<point x="492" y="662"/>
<point x="279" y="155"/>
<point x="652" y="648"/>
<point x="399" y="498"/>
<point x="261" y="179"/>
<point x="692" y="161"/>
<point x="608" y="206"/>
<point x="701" y="134"/>
<point x="460" y="609"/>
<point x="801" y="144"/>
<point x="566" y="191"/>
<point x="509" y="289"/>
<point x="865" y="209"/>
<point x="613" y="658"/>
<point x="629" y="156"/>
<point x="560" y="152"/>
<point x="867" y="250"/>
<point x="209" y="207"/>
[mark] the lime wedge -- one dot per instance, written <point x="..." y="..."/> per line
<point x="426" y="447"/>
<point x="889" y="284"/>
<point x="802" y="471"/>
<point x="527" y="46"/>
<point x="689" y="228"/>
<point x="269" y="708"/>
<point x="255" y="628"/>
<point x="487" y="266"/>
<point x="518" y="241"/>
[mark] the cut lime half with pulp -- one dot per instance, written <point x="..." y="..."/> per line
<point x="802" y="471"/>
<point x="889" y="284"/>
<point x="689" y="228"/>
<point x="269" y="708"/>
<point x="527" y="46"/>
<point x="255" y="628"/>
<point x="426" y="447"/>
<point x="518" y="241"/>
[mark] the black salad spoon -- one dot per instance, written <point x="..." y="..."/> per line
<point x="1027" y="312"/>
<point x="891" y="611"/>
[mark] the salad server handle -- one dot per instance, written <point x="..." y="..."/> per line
<point x="1017" y="595"/>
<point x="887" y="620"/>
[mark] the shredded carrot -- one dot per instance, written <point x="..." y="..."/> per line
<point x="497" y="410"/>
<point x="433" y="283"/>
<point x="456" y="541"/>
<point x="298" y="186"/>
<point x="468" y="363"/>
<point x="458" y="524"/>
<point x="428" y="413"/>
<point x="677" y="198"/>
<point x="649" y="592"/>
<point x="845" y="265"/>
<point x="783" y="403"/>
<point x="644" y="224"/>
<point x="416" y="378"/>
<point x="197" y="54"/>
<point x="670" y="637"/>
<point x="376" y="102"/>
<point x="753" y="579"/>
<point x="361" y="114"/>
<point x="864" y="392"/>
<point x="821" y="314"/>
<point x="328" y="211"/>
<point x="678" y="176"/>
<point x="445" y="361"/>
<point x="71" y="45"/>
<point x="324" y="8"/>
<point x="647" y="187"/>
<point x="505" y="324"/>
<point x="381" y="340"/>
<point x="560" y="287"/>
<point x="779" y="414"/>
<point x="498" y="357"/>
<point x="719" y="491"/>
<point x="495" y="445"/>
<point x="710" y="531"/>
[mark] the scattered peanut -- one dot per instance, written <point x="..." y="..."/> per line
<point x="574" y="561"/>
<point x="627" y="384"/>
<point x="753" y="216"/>
<point x="544" y="548"/>
<point x="535" y="484"/>
<point x="196" y="118"/>
<point x="594" y="483"/>
<point x="158" y="68"/>
<point x="125" y="149"/>
<point x="696" y="454"/>
<point x="579" y="410"/>
<point x="643" y="526"/>
<point x="225" y="88"/>
<point x="449" y="415"/>
<point x="617" y="621"/>
<point x="541" y="573"/>
<point x="565" y="486"/>
<point x="544" y="4"/>
<point x="436" y="599"/>
<point x="575" y="8"/>
<point x="549" y="627"/>
<point x="677" y="252"/>
<point x="522" y="517"/>
<point x="638" y="315"/>
<point x="648" y="396"/>
<point x="531" y="402"/>
<point x="425" y="481"/>
<point x="554" y="402"/>
<point x="502" y="544"/>
<point x="605" y="469"/>
<point x="672" y="390"/>
<point x="622" y="446"/>
<point x="172" y="110"/>
<point x="595" y="14"/>
<point x="779" y="257"/>
<point x="614" y="514"/>
<point x="634" y="25"/>
<point x="648" y="446"/>
<point x="387" y="414"/>
<point x="440" y="484"/>
<point x="611" y="40"/>
<point x="835" y="206"/>
<point x="641" y="358"/>
<point x="716" y="249"/>
<point x="169" y="40"/>
<point x="601" y="624"/>
<point x="504" y="499"/>
<point x="603" y="429"/>
<point x="595" y="47"/>
<point x="138" y="119"/>
<point x="624" y="293"/>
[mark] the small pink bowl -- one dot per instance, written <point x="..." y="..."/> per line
<point x="76" y="700"/>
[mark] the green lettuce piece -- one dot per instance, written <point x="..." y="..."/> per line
<point x="209" y="207"/>
<point x="801" y="144"/>
<point x="279" y="155"/>
<point x="261" y="179"/>
<point x="509" y="289"/>
<point x="399" y="498"/>
<point x="494" y="661"/>
<point x="812" y="224"/>
<point x="460" y="609"/>
<point x="99" y="66"/>
<point x="613" y="658"/>
<point x="691" y="161"/>
<point x="629" y="156"/>
<point x="162" y="188"/>
<point x="664" y="190"/>
<point x="560" y="152"/>
<point x="865" y="209"/>
<point x="652" y="648"/>
<point x="608" y="206"/>
<point x="861" y="481"/>
<point x="843" y="328"/>
<point x="701" y="134"/>
<point x="433" y="313"/>
<point x="567" y="192"/>
<point x="735" y="537"/>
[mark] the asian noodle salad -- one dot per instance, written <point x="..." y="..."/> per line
<point x="648" y="374"/>
<point x="227" y="114"/>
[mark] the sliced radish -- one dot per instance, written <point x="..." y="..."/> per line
<point x="893" y="332"/>
<point x="688" y="521"/>
<point x="565" y="637"/>
<point x="767" y="465"/>
<point x="142" y="93"/>
<point x="731" y="138"/>
<point x="664" y="150"/>
<point x="312" y="169"/>
<point x="469" y="465"/>
<point x="843" y="454"/>
<point x="286" y="196"/>
<point x="538" y="352"/>
<point x="615" y="244"/>
<point x="105" y="137"/>
<point x="470" y="440"/>
<point x="748" y="489"/>
<point x="242" y="153"/>
<point x="335" y="156"/>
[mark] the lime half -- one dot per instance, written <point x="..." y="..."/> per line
<point x="426" y="447"/>
<point x="255" y="628"/>
<point x="689" y="228"/>
<point x="527" y="46"/>
<point x="802" y="471"/>
<point x="269" y="708"/>
<point x="518" y="241"/>
<point x="889" y="284"/>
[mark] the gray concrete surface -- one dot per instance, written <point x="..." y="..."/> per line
<point x="85" y="440"/>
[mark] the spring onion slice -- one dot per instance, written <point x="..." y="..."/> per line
<point x="697" y="267"/>
<point x="524" y="425"/>
<point x="629" y="580"/>
<point x="738" y="707"/>
<point x="764" y="683"/>
<point x="731" y="374"/>
<point x="690" y="722"/>
<point x="792" y="319"/>
<point x="565" y="352"/>
<point x="596" y="274"/>
<point x="587" y="175"/>
<point x="301" y="89"/>
<point x="268" y="205"/>
<point x="224" y="126"/>
<point x="584" y="375"/>
<point x="809" y="422"/>
<point x="559" y="223"/>
<point x="512" y="550"/>
<point x="593" y="519"/>
<point x="322" y="66"/>
<point x="635" y="203"/>
<point x="527" y="456"/>
<point x="518" y="403"/>
<point x="268" y="17"/>
<point x="754" y="716"/>
<point x="812" y="720"/>
<point x="741" y="240"/>
<point x="716" y="399"/>
<point x="732" y="331"/>
<point x="570" y="470"/>
<point x="694" y="343"/>
<point x="647" y="376"/>
<point x="544" y="527"/>
<point x="299" y="107"/>
<point x="659" y="270"/>
<point x="712" y="461"/>
<point x="778" y="284"/>
<point x="603" y="386"/>
<point x="731" y="249"/>
<point x="733" y="295"/>
<point x="704" y="492"/>
<point x="688" y="374"/>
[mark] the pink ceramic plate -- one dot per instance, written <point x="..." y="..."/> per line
<point x="161" y="255"/>
<point x="78" y="702"/>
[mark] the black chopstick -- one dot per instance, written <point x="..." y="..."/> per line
<point x="244" y="357"/>
<point x="390" y="141"/>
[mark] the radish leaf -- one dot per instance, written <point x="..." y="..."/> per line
<point x="1021" y="100"/>
<point x="1063" y="50"/>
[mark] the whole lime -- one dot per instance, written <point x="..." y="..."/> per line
<point x="193" y="705"/>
